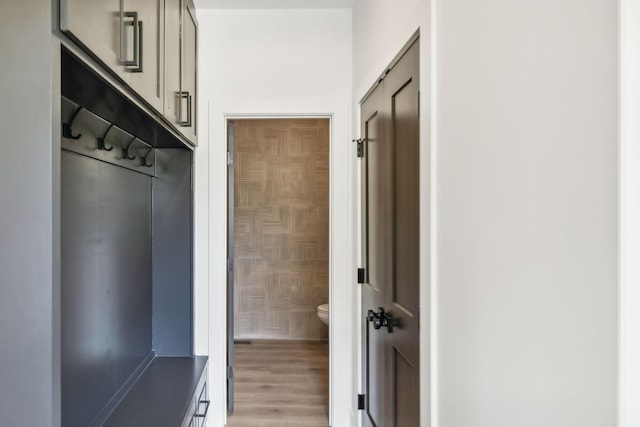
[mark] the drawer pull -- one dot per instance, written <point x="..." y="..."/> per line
<point x="206" y="409"/>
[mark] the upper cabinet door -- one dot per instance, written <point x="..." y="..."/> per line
<point x="189" y="64"/>
<point x="180" y="67"/>
<point x="151" y="45"/>
<point x="96" y="26"/>
<point x="143" y="36"/>
<point x="125" y="35"/>
<point x="172" y="29"/>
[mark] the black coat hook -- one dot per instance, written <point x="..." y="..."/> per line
<point x="144" y="159"/>
<point x="101" y="144"/>
<point x="67" y="128"/>
<point x="125" y="150"/>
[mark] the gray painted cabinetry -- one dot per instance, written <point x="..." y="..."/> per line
<point x="147" y="77"/>
<point x="126" y="294"/>
<point x="138" y="41"/>
<point x="32" y="297"/>
<point x="95" y="25"/>
<point x="180" y="66"/>
<point x="151" y="402"/>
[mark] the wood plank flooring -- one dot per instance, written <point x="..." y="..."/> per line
<point x="281" y="383"/>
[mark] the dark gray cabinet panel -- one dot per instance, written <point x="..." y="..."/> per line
<point x="106" y="282"/>
<point x="127" y="236"/>
<point x="81" y="85"/>
<point x="172" y="254"/>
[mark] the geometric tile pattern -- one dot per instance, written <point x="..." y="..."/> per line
<point x="281" y="236"/>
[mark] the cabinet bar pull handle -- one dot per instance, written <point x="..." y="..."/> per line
<point x="185" y="95"/>
<point x="137" y="29"/>
<point x="139" y="45"/>
<point x="206" y="409"/>
<point x="189" y="110"/>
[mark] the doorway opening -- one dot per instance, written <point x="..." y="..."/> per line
<point x="278" y="271"/>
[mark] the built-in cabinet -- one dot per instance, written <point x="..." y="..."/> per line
<point x="149" y="405"/>
<point x="143" y="48"/>
<point x="126" y="213"/>
<point x="150" y="45"/>
<point x="181" y="66"/>
<point x="95" y="25"/>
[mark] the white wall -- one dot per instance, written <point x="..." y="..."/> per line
<point x="524" y="292"/>
<point x="519" y="170"/>
<point x="526" y="136"/>
<point x="29" y="216"/>
<point x="629" y="232"/>
<point x="380" y="30"/>
<point x="277" y="62"/>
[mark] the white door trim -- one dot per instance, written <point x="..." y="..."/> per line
<point x="341" y="262"/>
<point x="629" y="215"/>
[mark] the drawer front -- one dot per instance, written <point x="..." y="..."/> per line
<point x="199" y="406"/>
<point x="202" y="406"/>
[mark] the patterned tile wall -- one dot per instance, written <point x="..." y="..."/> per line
<point x="281" y="245"/>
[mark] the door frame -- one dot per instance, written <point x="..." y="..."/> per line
<point x="336" y="348"/>
<point x="231" y="223"/>
<point x="628" y="216"/>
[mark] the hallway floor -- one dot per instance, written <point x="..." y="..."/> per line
<point x="281" y="383"/>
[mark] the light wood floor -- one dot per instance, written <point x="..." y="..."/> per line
<point x="281" y="383"/>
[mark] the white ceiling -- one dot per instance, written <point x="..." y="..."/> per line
<point x="273" y="4"/>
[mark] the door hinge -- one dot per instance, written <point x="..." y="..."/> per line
<point x="359" y="147"/>
<point x="229" y="265"/>
<point x="361" y="275"/>
<point x="230" y="372"/>
<point x="360" y="402"/>
<point x="229" y="158"/>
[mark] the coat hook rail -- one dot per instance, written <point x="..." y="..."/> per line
<point x="67" y="128"/>
<point x="101" y="141"/>
<point x="125" y="150"/>
<point x="144" y="159"/>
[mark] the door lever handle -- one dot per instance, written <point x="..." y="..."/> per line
<point x="380" y="319"/>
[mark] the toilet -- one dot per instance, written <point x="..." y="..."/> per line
<point x="323" y="313"/>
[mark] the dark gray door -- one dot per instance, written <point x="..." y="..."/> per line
<point x="230" y="231"/>
<point x="390" y="126"/>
